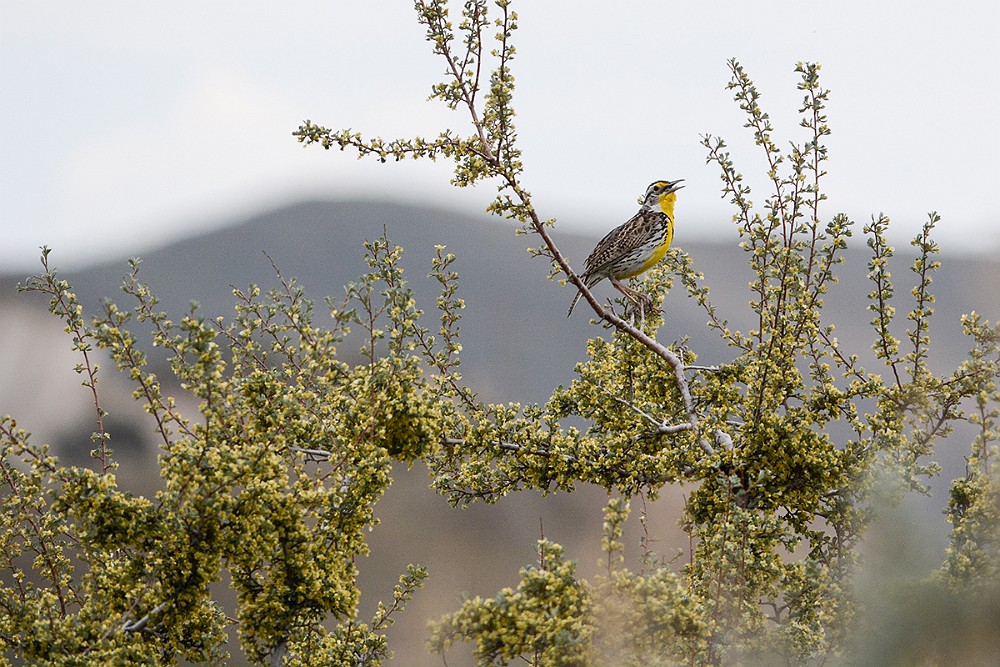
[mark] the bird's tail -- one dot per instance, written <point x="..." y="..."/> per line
<point x="573" y="305"/>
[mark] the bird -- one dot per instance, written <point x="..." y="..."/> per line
<point x="635" y="246"/>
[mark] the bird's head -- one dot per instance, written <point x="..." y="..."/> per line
<point x="658" y="189"/>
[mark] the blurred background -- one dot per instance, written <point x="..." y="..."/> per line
<point x="163" y="130"/>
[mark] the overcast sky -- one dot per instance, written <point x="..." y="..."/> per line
<point x="127" y="124"/>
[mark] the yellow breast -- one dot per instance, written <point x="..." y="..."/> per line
<point x="667" y="206"/>
<point x="657" y="254"/>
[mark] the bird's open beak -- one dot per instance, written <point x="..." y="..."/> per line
<point x="674" y="187"/>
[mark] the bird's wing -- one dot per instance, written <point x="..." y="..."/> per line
<point x="619" y="241"/>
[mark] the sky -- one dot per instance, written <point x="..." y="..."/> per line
<point x="125" y="125"/>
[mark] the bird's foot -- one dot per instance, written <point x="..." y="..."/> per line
<point x="636" y="307"/>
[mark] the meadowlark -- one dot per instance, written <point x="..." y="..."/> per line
<point x="635" y="246"/>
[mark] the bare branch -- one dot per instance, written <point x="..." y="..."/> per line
<point x="138" y="626"/>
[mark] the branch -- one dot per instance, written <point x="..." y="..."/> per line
<point x="313" y="455"/>
<point x="662" y="427"/>
<point x="64" y="304"/>
<point x="137" y="626"/>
